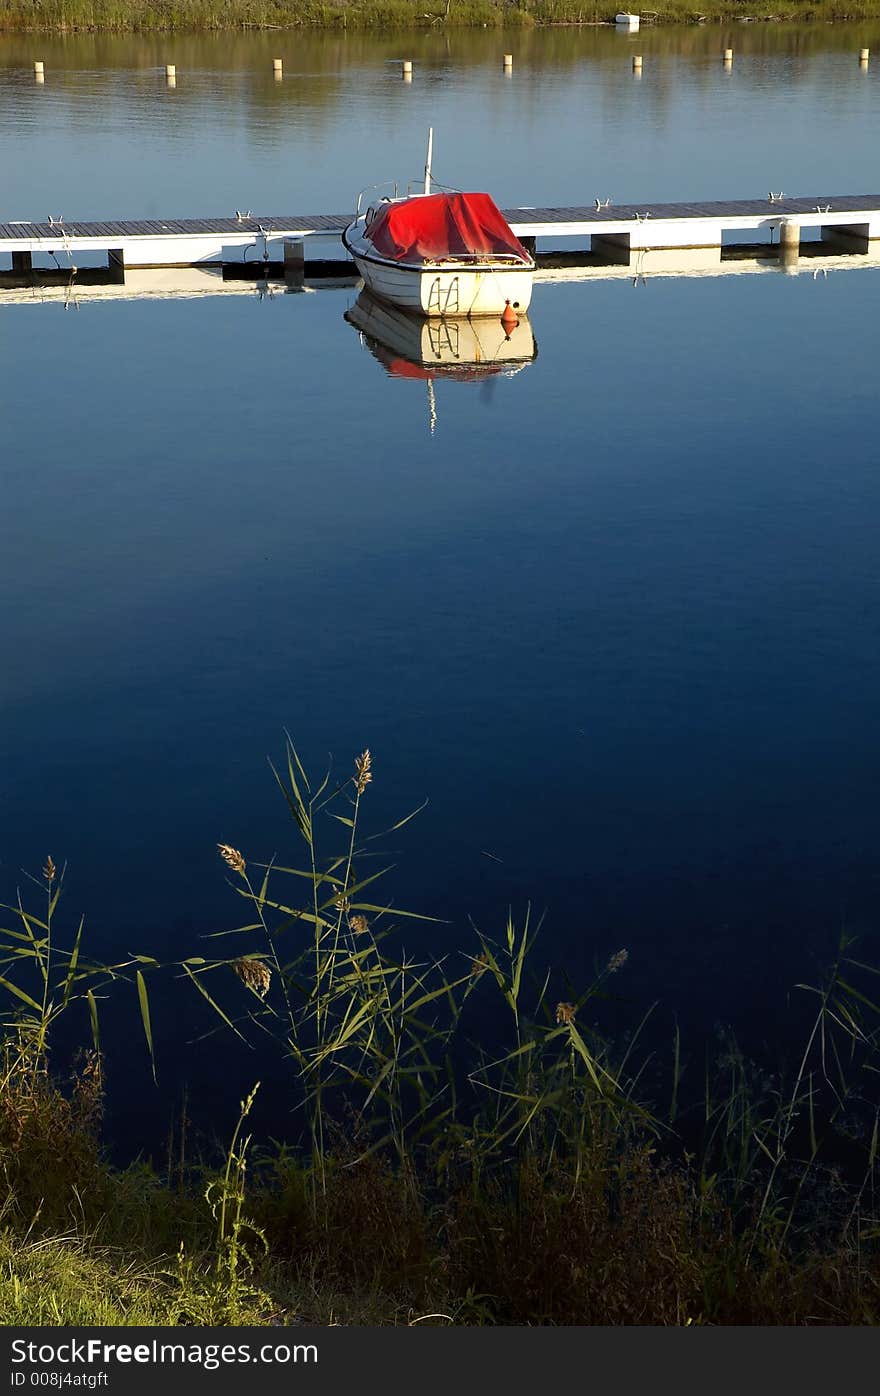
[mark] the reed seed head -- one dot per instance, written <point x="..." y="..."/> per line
<point x="49" y="870"/>
<point x="358" y="924"/>
<point x="232" y="856"/>
<point x="363" y="772"/>
<point x="342" y="903"/>
<point x="254" y="975"/>
<point x="618" y="961"/>
<point x="480" y="965"/>
<point x="565" y="1012"/>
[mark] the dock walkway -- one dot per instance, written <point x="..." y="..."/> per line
<point x="602" y="226"/>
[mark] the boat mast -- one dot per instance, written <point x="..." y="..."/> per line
<point x="428" y="160"/>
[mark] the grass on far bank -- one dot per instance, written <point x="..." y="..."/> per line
<point x="440" y="1163"/>
<point x="170" y="16"/>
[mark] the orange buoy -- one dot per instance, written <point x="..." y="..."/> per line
<point x="508" y="317"/>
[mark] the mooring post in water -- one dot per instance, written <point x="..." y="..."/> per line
<point x="171" y="74"/>
<point x="508" y="63"/>
<point x="864" y="55"/>
<point x="278" y="68"/>
<point x="728" y="58"/>
<point x="407" y="70"/>
<point x="637" y="64"/>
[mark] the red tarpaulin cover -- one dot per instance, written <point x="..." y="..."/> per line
<point x="442" y="225"/>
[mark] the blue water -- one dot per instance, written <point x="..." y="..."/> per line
<point x="615" y="619"/>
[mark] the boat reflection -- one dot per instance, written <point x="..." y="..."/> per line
<point x="465" y="351"/>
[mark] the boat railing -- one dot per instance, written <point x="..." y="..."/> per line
<point x="414" y="189"/>
<point x="417" y="186"/>
<point x="371" y="188"/>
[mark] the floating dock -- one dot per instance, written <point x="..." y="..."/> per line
<point x="612" y="231"/>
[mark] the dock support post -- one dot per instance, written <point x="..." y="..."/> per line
<point x="530" y="244"/>
<point x="22" y="264"/>
<point x="116" y="261"/>
<point x="790" y="234"/>
<point x="789" y="245"/>
<point x="294" y="261"/>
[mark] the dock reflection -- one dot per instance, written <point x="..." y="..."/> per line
<point x="478" y="345"/>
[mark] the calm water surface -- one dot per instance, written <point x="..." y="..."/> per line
<point x="617" y="617"/>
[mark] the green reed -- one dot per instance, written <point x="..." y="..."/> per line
<point x="349" y="1010"/>
<point x="369" y="1028"/>
<point x="43" y="979"/>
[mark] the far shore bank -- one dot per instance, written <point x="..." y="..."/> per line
<point x="207" y="16"/>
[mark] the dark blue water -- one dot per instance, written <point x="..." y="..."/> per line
<point x="616" y="619"/>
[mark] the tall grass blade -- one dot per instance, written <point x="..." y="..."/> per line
<point x="72" y="964"/>
<point x="20" y="994"/>
<point x="216" y="1007"/>
<point x="145" y="1017"/>
<point x="93" y="1017"/>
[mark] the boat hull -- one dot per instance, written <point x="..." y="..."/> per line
<point x="443" y="289"/>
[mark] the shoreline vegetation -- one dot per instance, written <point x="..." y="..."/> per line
<point x="207" y="16"/>
<point x="463" y="1143"/>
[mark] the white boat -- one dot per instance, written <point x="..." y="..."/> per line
<point x="627" y="21"/>
<point x="445" y="254"/>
